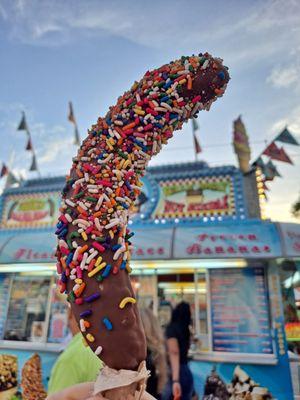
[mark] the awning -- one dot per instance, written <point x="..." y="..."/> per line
<point x="251" y="240"/>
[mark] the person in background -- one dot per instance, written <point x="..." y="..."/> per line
<point x="180" y="385"/>
<point x="77" y="363"/>
<point x="156" y="353"/>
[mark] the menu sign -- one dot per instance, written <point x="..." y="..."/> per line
<point x="239" y="311"/>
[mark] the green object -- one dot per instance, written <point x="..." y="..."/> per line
<point x="77" y="364"/>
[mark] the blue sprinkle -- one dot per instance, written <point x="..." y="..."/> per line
<point x="106" y="271"/>
<point x="59" y="225"/>
<point x="167" y="85"/>
<point x="116" y="247"/>
<point x="63" y="234"/>
<point x="123" y="265"/>
<point x="107" y="323"/>
<point x="64" y="278"/>
<point x="124" y="205"/>
<point x="165" y="99"/>
<point x="69" y="259"/>
<point x="128" y="185"/>
<point x="85" y="313"/>
<point x="221" y="75"/>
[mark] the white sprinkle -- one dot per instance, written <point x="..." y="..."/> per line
<point x="70" y="203"/>
<point x="97" y="223"/>
<point x="76" y="253"/>
<point x="80" y="221"/>
<point x="113" y="222"/>
<point x="82" y="327"/>
<point x="99" y="202"/>
<point x="72" y="277"/>
<point x="86" y="177"/>
<point x="75" y="287"/>
<point x="93" y="255"/>
<point x="98" y="350"/>
<point x="119" y="252"/>
<point x="68" y="217"/>
<point x="83" y="261"/>
<point x="205" y="64"/>
<point x="118" y="122"/>
<point x="74" y="244"/>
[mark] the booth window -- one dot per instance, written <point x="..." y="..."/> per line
<point x="27" y="310"/>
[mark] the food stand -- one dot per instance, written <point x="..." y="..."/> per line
<point x="199" y="237"/>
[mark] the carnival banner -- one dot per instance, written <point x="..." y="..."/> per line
<point x="30" y="210"/>
<point x="194" y="197"/>
<point x="256" y="240"/>
<point x="291" y="239"/>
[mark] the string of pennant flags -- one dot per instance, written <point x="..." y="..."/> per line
<point x="6" y="171"/>
<point x="275" y="152"/>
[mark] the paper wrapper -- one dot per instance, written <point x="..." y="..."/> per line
<point x="123" y="384"/>
<point x="8" y="394"/>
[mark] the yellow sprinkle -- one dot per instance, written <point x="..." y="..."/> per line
<point x="169" y="91"/>
<point x="109" y="145"/>
<point x="79" y="281"/>
<point x="127" y="300"/>
<point x="111" y="141"/>
<point x="126" y="163"/>
<point x="90" y="337"/>
<point x="182" y="81"/>
<point x="84" y="236"/>
<point x="121" y="163"/>
<point x="99" y="259"/>
<point x="129" y="269"/>
<point x="110" y="210"/>
<point x="139" y="112"/>
<point x="105" y="175"/>
<point x="92" y="181"/>
<point x="97" y="269"/>
<point x="111" y="234"/>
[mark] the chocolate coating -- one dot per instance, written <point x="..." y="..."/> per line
<point x="101" y="189"/>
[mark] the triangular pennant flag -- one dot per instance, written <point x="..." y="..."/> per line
<point x="197" y="145"/>
<point x="195" y="125"/>
<point x="272" y="168"/>
<point x="23" y="124"/>
<point x="4" y="170"/>
<point x="276" y="153"/>
<point x="11" y="179"/>
<point x="71" y="116"/>
<point x="29" y="144"/>
<point x="33" y="166"/>
<point x="259" y="163"/>
<point x="286" y="137"/>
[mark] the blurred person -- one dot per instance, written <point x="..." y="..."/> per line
<point x="180" y="385"/>
<point x="156" y="360"/>
<point x="76" y="364"/>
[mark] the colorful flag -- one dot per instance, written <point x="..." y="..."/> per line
<point x="71" y="118"/>
<point x="33" y="166"/>
<point x="286" y="137"/>
<point x="4" y="170"/>
<point x="197" y="146"/>
<point x="23" y="124"/>
<point x="271" y="167"/>
<point x="29" y="145"/>
<point x="259" y="163"/>
<point x="241" y="144"/>
<point x="276" y="153"/>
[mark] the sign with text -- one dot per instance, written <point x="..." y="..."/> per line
<point x="257" y="240"/>
<point x="34" y="210"/>
<point x="291" y="239"/>
<point x="185" y="198"/>
<point x="239" y="311"/>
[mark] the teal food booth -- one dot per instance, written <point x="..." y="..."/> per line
<point x="199" y="237"/>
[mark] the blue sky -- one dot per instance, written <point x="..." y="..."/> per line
<point x="91" y="51"/>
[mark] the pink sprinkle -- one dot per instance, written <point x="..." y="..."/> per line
<point x="58" y="268"/>
<point x="79" y="258"/>
<point x="64" y="250"/>
<point x="148" y="127"/>
<point x="104" y="182"/>
<point x="63" y="219"/>
<point x="98" y="247"/>
<point x="79" y="272"/>
<point x="79" y="301"/>
<point x="196" y="98"/>
<point x="89" y="230"/>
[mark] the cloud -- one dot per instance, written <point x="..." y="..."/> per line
<point x="291" y="119"/>
<point x="284" y="77"/>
